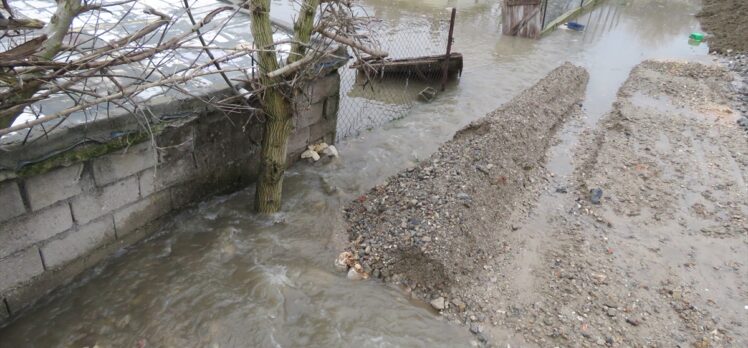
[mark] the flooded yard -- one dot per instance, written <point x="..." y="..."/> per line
<point x="220" y="276"/>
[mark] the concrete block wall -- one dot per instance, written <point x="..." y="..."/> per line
<point x="56" y="224"/>
<point x="316" y="112"/>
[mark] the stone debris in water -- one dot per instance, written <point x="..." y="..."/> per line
<point x="330" y="151"/>
<point x="439" y="303"/>
<point x="344" y="261"/>
<point x="318" y="148"/>
<point x="314" y="151"/>
<point x="357" y="272"/>
<point x="310" y="154"/>
<point x="595" y="195"/>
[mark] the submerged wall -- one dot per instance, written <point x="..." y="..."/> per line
<point x="61" y="215"/>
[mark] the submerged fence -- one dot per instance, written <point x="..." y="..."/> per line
<point x="532" y="18"/>
<point x="555" y="12"/>
<point x="372" y="94"/>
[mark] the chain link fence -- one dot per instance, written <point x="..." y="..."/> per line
<point x="553" y="9"/>
<point x="372" y="94"/>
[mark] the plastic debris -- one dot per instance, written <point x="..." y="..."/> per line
<point x="572" y="26"/>
<point x="696" y="36"/>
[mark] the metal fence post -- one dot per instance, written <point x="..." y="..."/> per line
<point x="449" y="48"/>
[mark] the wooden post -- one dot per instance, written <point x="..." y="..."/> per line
<point x="522" y="18"/>
<point x="449" y="48"/>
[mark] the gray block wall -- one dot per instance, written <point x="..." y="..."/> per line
<point x="58" y="223"/>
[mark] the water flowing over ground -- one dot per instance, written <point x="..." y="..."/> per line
<point x="219" y="276"/>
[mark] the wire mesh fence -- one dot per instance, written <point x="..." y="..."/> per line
<point x="553" y="9"/>
<point x="373" y="93"/>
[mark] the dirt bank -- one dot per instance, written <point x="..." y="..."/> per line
<point x="668" y="241"/>
<point x="727" y="22"/>
<point x="433" y="228"/>
<point x="494" y="241"/>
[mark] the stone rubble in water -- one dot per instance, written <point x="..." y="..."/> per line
<point x="357" y="272"/>
<point x="318" y="148"/>
<point x="310" y="154"/>
<point x="314" y="151"/>
<point x="347" y="262"/>
<point x="330" y="151"/>
<point x="439" y="303"/>
<point x="344" y="261"/>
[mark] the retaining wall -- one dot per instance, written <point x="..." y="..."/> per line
<point x="62" y="215"/>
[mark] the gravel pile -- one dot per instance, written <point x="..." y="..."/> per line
<point x="433" y="228"/>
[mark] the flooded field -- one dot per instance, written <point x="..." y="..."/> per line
<point x="219" y="276"/>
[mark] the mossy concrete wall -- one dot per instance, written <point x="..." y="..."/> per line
<point x="64" y="214"/>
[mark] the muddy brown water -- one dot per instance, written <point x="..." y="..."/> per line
<point x="219" y="276"/>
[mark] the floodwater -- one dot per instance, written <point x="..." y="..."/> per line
<point x="219" y="276"/>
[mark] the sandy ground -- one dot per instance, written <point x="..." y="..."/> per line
<point x="482" y="231"/>
<point x="726" y="22"/>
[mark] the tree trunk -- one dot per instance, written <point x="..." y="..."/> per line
<point x="273" y="153"/>
<point x="302" y="30"/>
<point x="276" y="101"/>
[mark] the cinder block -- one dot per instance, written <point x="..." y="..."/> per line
<point x="142" y="212"/>
<point x="332" y="104"/>
<point x="11" y="204"/>
<point x="176" y="143"/>
<point x="112" y="167"/>
<point x="34" y="227"/>
<point x="184" y="194"/>
<point x="51" y="187"/>
<point x="320" y="132"/>
<point x="147" y="182"/>
<point x="182" y="170"/>
<point x="298" y="140"/>
<point x="322" y="88"/>
<point x="235" y="144"/>
<point x="166" y="175"/>
<point x="20" y="268"/>
<point x="91" y="205"/>
<point x="4" y="314"/>
<point x="308" y="115"/>
<point x="78" y="242"/>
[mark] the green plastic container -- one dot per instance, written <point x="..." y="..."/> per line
<point x="696" y="36"/>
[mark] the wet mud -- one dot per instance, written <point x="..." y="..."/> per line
<point x="643" y="245"/>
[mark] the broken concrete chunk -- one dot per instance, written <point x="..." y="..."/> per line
<point x="344" y="260"/>
<point x="310" y="154"/>
<point x="318" y="148"/>
<point x="357" y="272"/>
<point x="330" y="151"/>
